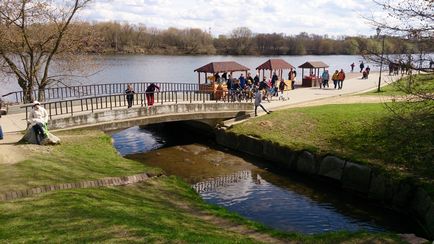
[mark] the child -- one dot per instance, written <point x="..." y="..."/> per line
<point x="282" y="86"/>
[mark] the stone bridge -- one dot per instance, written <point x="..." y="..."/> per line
<point x="210" y="113"/>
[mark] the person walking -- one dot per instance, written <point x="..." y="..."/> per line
<point x="150" y="90"/>
<point x="335" y="78"/>
<point x="38" y="121"/>
<point x="352" y="67"/>
<point x="362" y="66"/>
<point x="341" y="78"/>
<point x="325" y="78"/>
<point x="130" y="95"/>
<point x="258" y="101"/>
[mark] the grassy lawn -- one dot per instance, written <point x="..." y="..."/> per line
<point x="157" y="211"/>
<point x="365" y="133"/>
<point x="424" y="82"/>
<point x="83" y="155"/>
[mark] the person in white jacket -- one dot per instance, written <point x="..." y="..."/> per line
<point x="38" y="121"/>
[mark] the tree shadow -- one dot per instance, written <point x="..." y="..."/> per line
<point x="400" y="141"/>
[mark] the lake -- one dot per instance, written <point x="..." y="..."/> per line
<point x="135" y="68"/>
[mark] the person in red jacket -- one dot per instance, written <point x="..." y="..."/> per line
<point x="150" y="93"/>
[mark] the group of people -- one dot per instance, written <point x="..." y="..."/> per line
<point x="338" y="78"/>
<point x="365" y="71"/>
<point x="150" y="90"/>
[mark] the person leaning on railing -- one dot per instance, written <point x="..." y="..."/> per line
<point x="150" y="93"/>
<point x="38" y="121"/>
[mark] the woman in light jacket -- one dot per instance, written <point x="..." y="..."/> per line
<point x="38" y="121"/>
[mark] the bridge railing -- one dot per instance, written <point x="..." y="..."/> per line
<point x="71" y="106"/>
<point x="66" y="92"/>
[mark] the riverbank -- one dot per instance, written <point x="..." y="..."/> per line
<point x="357" y="145"/>
<point x="163" y="209"/>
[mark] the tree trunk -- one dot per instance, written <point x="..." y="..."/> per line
<point x="27" y="90"/>
<point x="41" y="93"/>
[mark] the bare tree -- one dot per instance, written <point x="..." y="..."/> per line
<point x="33" y="34"/>
<point x="411" y="22"/>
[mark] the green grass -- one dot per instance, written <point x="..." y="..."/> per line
<point x="161" y="210"/>
<point x="419" y="83"/>
<point x="142" y="213"/>
<point x="83" y="155"/>
<point x="365" y="133"/>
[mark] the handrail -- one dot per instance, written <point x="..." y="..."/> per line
<point x="62" y="92"/>
<point x="71" y="106"/>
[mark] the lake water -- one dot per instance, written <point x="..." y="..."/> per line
<point x="135" y="68"/>
<point x="251" y="187"/>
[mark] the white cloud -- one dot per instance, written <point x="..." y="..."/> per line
<point x="333" y="17"/>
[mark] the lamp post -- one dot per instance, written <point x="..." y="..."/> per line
<point x="382" y="54"/>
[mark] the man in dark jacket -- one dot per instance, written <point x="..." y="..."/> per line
<point x="130" y="95"/>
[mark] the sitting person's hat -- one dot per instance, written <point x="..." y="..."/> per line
<point x="36" y="103"/>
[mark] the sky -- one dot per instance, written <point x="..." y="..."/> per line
<point x="331" y="17"/>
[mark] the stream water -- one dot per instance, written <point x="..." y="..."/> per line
<point x="252" y="188"/>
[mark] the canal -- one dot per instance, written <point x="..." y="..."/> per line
<point x="251" y="186"/>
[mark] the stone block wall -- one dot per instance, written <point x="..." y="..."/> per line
<point x="406" y="197"/>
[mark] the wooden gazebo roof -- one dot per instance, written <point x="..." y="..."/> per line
<point x="219" y="67"/>
<point x="275" y="64"/>
<point x="314" y="65"/>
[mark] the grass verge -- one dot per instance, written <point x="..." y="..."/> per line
<point x="418" y="83"/>
<point x="83" y="155"/>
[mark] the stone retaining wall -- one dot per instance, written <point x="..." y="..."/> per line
<point x="363" y="180"/>
<point x="110" y="181"/>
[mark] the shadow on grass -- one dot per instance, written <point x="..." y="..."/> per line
<point x="401" y="142"/>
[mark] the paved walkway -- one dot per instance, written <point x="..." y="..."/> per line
<point x="13" y="123"/>
<point x="353" y="85"/>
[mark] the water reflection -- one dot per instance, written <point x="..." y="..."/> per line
<point x="246" y="186"/>
<point x="257" y="199"/>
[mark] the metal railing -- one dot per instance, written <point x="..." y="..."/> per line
<point x="66" y="92"/>
<point x="92" y="104"/>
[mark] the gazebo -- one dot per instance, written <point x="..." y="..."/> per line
<point x="277" y="65"/>
<point x="274" y="65"/>
<point x="218" y="67"/>
<point x="314" y="78"/>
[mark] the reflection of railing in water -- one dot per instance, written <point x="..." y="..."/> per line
<point x="213" y="183"/>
